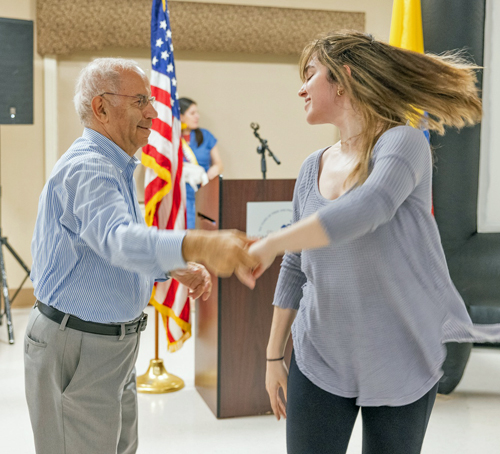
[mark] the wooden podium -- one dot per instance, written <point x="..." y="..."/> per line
<point x="232" y="327"/>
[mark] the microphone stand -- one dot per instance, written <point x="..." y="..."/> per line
<point x="261" y="149"/>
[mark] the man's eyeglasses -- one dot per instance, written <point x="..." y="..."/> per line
<point x="142" y="100"/>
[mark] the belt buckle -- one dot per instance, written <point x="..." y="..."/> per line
<point x="143" y="322"/>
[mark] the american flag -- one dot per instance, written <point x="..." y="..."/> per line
<point x="165" y="195"/>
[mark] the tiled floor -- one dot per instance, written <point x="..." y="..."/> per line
<point x="466" y="422"/>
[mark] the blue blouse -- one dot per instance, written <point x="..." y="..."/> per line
<point x="202" y="153"/>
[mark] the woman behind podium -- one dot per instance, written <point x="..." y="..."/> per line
<point x="364" y="279"/>
<point x="202" y="161"/>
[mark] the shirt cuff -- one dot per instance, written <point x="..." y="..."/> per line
<point x="165" y="277"/>
<point x="169" y="250"/>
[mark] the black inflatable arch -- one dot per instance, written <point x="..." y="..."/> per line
<point x="473" y="258"/>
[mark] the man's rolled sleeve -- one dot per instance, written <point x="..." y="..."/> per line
<point x="169" y="250"/>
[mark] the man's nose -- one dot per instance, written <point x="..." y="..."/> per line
<point x="150" y="111"/>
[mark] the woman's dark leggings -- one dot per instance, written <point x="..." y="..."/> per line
<point x="321" y="423"/>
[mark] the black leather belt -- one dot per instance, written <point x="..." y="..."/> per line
<point x="93" y="327"/>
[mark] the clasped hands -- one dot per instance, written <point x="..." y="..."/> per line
<point x="223" y="252"/>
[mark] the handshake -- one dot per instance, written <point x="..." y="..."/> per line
<point x="223" y="253"/>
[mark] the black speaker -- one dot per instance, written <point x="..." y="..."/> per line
<point x="16" y="71"/>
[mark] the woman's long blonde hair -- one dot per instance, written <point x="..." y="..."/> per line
<point x="390" y="86"/>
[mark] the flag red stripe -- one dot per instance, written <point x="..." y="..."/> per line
<point x="175" y="210"/>
<point x="184" y="315"/>
<point x="163" y="128"/>
<point x="162" y="96"/>
<point x="169" y="297"/>
<point x="152" y="188"/>
<point x="169" y="301"/>
<point x="176" y="203"/>
<point x="171" y="338"/>
<point x="161" y="160"/>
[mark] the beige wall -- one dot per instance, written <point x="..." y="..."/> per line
<point x="231" y="90"/>
<point x="22" y="164"/>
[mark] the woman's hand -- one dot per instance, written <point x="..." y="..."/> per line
<point x="276" y="378"/>
<point x="216" y="166"/>
<point x="261" y="250"/>
<point x="223" y="252"/>
<point x="213" y="172"/>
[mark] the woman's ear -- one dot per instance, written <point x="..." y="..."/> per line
<point x="348" y="70"/>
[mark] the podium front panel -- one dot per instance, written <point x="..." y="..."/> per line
<point x="232" y="338"/>
<point x="207" y="312"/>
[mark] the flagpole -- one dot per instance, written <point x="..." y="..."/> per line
<point x="157" y="380"/>
<point x="157" y="342"/>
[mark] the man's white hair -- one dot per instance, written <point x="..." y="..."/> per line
<point x="99" y="76"/>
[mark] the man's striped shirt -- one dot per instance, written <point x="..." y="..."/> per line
<point x="93" y="255"/>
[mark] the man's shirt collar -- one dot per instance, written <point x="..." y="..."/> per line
<point x="119" y="158"/>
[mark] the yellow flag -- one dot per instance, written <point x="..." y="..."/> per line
<point x="407" y="33"/>
<point x="406" y="25"/>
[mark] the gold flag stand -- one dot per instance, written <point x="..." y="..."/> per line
<point x="157" y="380"/>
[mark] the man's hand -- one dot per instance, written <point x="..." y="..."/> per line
<point x="223" y="252"/>
<point x="196" y="278"/>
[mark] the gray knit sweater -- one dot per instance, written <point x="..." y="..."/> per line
<point x="377" y="304"/>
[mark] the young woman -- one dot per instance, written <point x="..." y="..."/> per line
<point x="200" y="151"/>
<point x="364" y="279"/>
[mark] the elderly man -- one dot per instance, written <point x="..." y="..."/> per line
<point x="95" y="262"/>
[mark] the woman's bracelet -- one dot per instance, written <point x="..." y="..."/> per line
<point x="275" y="359"/>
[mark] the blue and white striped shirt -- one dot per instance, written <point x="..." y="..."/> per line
<point x="93" y="255"/>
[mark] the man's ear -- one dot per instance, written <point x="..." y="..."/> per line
<point x="100" y="109"/>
